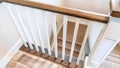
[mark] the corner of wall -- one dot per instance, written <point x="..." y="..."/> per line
<point x="11" y="53"/>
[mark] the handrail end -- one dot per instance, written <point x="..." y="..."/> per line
<point x="1" y="1"/>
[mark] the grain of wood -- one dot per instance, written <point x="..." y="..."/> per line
<point x="115" y="8"/>
<point x="27" y="60"/>
<point x="113" y="60"/>
<point x="62" y="10"/>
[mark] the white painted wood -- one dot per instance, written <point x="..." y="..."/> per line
<point x="85" y="62"/>
<point x="47" y="35"/>
<point x="74" y="39"/>
<point x="82" y="50"/>
<point x="30" y="26"/>
<point x="64" y="36"/>
<point x="38" y="31"/>
<point x="104" y="47"/>
<point x="16" y="23"/>
<point x="23" y="26"/>
<point x="55" y="34"/>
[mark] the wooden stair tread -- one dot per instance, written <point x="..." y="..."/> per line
<point x="70" y="30"/>
<point x="67" y="51"/>
<point x="116" y="50"/>
<point x="69" y="41"/>
<point x="65" y="64"/>
<point x="68" y="46"/>
<point x="107" y="64"/>
<point x="115" y="8"/>
<point x="113" y="60"/>
<point x="114" y="55"/>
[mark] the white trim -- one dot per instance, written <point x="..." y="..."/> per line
<point x="54" y="27"/>
<point x="11" y="53"/>
<point x="74" y="38"/>
<point x="85" y="63"/>
<point x="47" y="34"/>
<point x="81" y="52"/>
<point x="64" y="36"/>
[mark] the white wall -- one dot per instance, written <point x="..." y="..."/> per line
<point x="96" y="28"/>
<point x="52" y="2"/>
<point x="99" y="6"/>
<point x="8" y="33"/>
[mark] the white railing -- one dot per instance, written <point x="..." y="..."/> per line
<point x="36" y="27"/>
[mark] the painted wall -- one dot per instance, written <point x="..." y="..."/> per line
<point x="52" y="2"/>
<point x="99" y="6"/>
<point x="8" y="33"/>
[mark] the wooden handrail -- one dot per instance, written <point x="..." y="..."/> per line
<point x="115" y="8"/>
<point x="62" y="10"/>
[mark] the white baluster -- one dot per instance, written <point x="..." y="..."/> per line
<point x="47" y="35"/>
<point x="30" y="21"/>
<point x="55" y="34"/>
<point x="81" y="52"/>
<point x="74" y="39"/>
<point x="16" y="23"/>
<point x="38" y="21"/>
<point x="64" y="36"/>
<point x="23" y="26"/>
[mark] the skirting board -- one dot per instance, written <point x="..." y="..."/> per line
<point x="85" y="63"/>
<point x="11" y="53"/>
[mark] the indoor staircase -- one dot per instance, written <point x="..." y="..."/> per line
<point x="43" y="45"/>
<point x="113" y="60"/>
<point x="28" y="58"/>
<point x="64" y="63"/>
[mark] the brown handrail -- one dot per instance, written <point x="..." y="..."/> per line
<point x="62" y="10"/>
<point x="115" y="8"/>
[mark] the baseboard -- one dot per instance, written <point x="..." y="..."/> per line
<point x="85" y="63"/>
<point x="11" y="53"/>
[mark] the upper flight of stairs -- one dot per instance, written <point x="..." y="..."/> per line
<point x="113" y="60"/>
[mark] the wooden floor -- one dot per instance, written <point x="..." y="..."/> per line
<point x="26" y="60"/>
<point x="113" y="60"/>
<point x="30" y="58"/>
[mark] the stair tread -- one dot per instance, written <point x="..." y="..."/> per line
<point x="70" y="41"/>
<point x="115" y="55"/>
<point x="108" y="64"/>
<point x="70" y="30"/>
<point x="68" y="46"/>
<point x="67" y="51"/>
<point x="113" y="59"/>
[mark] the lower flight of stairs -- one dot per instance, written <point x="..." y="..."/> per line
<point x="29" y="62"/>
<point x="113" y="60"/>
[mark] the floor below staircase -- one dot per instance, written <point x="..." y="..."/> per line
<point x="28" y="58"/>
<point x="113" y="60"/>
